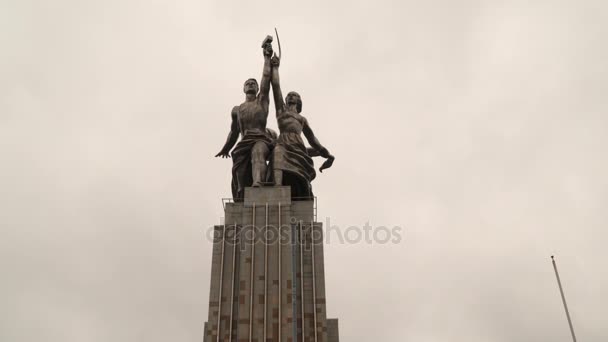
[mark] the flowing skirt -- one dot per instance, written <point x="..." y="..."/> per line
<point x="291" y="157"/>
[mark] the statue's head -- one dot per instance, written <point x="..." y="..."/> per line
<point x="294" y="98"/>
<point x="251" y="86"/>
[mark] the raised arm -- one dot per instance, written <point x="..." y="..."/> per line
<point x="232" y="136"/>
<point x="279" y="103"/>
<point x="263" y="97"/>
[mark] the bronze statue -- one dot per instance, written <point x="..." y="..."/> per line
<point x="291" y="161"/>
<point x="249" y="120"/>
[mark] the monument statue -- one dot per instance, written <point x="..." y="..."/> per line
<point x="291" y="160"/>
<point x="267" y="274"/>
<point x="250" y="155"/>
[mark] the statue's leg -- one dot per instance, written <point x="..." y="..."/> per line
<point x="241" y="174"/>
<point x="278" y="176"/>
<point x="259" y="154"/>
<point x="277" y="172"/>
<point x="241" y="182"/>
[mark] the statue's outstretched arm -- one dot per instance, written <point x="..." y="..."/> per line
<point x="279" y="103"/>
<point x="317" y="149"/>
<point x="233" y="135"/>
<point x="313" y="152"/>
<point x="313" y="141"/>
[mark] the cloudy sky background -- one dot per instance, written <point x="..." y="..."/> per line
<point x="477" y="126"/>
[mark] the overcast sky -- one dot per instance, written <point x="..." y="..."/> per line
<point x="480" y="127"/>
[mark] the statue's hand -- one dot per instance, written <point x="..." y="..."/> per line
<point x="223" y="154"/>
<point x="325" y="153"/>
<point x="275" y="61"/>
<point x="328" y="163"/>
<point x="268" y="50"/>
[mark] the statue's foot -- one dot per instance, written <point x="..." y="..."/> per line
<point x="256" y="184"/>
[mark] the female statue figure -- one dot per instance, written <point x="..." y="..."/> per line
<point x="291" y="161"/>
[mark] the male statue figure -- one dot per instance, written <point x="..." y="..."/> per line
<point x="249" y="119"/>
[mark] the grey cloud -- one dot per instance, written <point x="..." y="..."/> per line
<point x="483" y="126"/>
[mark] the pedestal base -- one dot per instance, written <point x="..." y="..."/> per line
<point x="267" y="274"/>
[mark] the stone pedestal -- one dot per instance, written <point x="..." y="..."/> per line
<point x="267" y="274"/>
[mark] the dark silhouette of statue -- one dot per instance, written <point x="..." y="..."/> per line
<point x="249" y="120"/>
<point x="291" y="160"/>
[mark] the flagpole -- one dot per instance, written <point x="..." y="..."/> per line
<point x="561" y="291"/>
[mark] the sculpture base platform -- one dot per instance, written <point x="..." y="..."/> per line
<point x="267" y="274"/>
